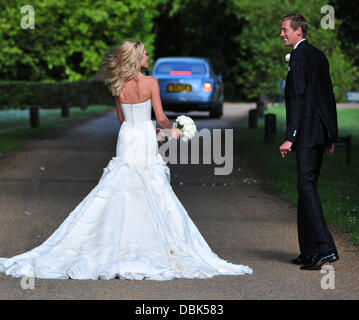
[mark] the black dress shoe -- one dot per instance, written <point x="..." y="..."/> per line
<point x="319" y="259"/>
<point x="302" y="259"/>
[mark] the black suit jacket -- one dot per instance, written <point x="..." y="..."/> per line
<point x="310" y="103"/>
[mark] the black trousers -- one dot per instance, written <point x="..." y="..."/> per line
<point x="313" y="233"/>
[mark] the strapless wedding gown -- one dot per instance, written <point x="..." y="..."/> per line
<point x="130" y="226"/>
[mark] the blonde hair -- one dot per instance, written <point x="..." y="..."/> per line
<point x="123" y="64"/>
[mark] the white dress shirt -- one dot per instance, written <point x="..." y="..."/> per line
<point x="295" y="47"/>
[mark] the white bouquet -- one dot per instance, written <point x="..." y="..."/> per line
<point x="187" y="126"/>
<point x="183" y="123"/>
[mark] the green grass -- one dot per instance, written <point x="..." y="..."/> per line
<point x="15" y="124"/>
<point x="338" y="184"/>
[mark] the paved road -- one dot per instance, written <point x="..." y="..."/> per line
<point x="242" y="220"/>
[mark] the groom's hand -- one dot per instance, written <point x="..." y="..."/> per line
<point x="329" y="149"/>
<point x="285" y="148"/>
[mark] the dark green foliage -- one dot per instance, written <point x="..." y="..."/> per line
<point x="240" y="37"/>
<point x="242" y="40"/>
<point x="70" y="37"/>
<point x="348" y="13"/>
<point x="201" y="28"/>
<point x="49" y="95"/>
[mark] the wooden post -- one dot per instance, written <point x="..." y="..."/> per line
<point x="34" y="117"/>
<point x="84" y="102"/>
<point x="261" y="105"/>
<point x="252" y="119"/>
<point x="65" y="109"/>
<point x="349" y="149"/>
<point x="347" y="143"/>
<point x="270" y="127"/>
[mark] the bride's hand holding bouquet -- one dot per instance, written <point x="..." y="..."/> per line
<point x="183" y="127"/>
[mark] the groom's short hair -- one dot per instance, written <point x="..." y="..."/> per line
<point x="296" y="21"/>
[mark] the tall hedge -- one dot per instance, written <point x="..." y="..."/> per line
<point x="25" y="94"/>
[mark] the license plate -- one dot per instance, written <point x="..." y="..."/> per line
<point x="179" y="87"/>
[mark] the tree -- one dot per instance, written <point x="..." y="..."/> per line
<point x="200" y="28"/>
<point x="70" y="37"/>
<point x="261" y="61"/>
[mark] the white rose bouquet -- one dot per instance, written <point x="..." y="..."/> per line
<point x="187" y="127"/>
<point x="183" y="123"/>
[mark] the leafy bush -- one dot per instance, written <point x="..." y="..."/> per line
<point x="49" y="95"/>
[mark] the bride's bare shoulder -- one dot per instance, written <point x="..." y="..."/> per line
<point x="151" y="81"/>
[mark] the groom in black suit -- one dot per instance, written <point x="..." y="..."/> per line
<point x="311" y="131"/>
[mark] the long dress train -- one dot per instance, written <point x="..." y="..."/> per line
<point x="130" y="226"/>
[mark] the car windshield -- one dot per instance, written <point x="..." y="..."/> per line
<point x="181" y="68"/>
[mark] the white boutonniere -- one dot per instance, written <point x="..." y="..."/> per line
<point x="287" y="58"/>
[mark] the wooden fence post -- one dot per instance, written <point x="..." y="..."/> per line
<point x="84" y="102"/>
<point x="270" y="127"/>
<point x="349" y="149"/>
<point x="261" y="105"/>
<point x="34" y="117"/>
<point x="252" y="119"/>
<point x="347" y="143"/>
<point x="65" y="109"/>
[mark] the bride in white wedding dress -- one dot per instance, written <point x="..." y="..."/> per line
<point x="131" y="225"/>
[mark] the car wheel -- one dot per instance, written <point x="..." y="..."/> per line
<point x="217" y="111"/>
